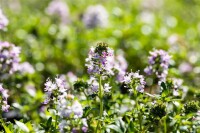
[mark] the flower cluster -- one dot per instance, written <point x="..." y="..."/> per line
<point x="4" y="97"/>
<point x="121" y="66"/>
<point x="83" y="128"/>
<point x="55" y="90"/>
<point x="3" y="20"/>
<point x="95" y="16"/>
<point x="68" y="107"/>
<point x="97" y="61"/>
<point x="177" y="83"/>
<point x="94" y="86"/>
<point x="118" y="65"/>
<point x="9" y="57"/>
<point x="65" y="104"/>
<point x="158" y="64"/>
<point x="135" y="80"/>
<point x="26" y="68"/>
<point x="59" y="8"/>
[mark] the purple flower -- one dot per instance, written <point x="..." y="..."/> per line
<point x="77" y="109"/>
<point x="9" y="57"/>
<point x="5" y="106"/>
<point x="120" y="64"/>
<point x="4" y="97"/>
<point x="69" y="109"/>
<point x="75" y="130"/>
<point x="84" y="129"/>
<point x="95" y="16"/>
<point x="185" y="67"/>
<point x="97" y="61"/>
<point x="59" y="8"/>
<point x="26" y="67"/>
<point x="62" y="125"/>
<point x="93" y="85"/>
<point x="3" y="20"/>
<point x="158" y="64"/>
<point x="101" y="60"/>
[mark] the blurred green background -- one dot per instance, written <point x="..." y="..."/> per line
<point x="135" y="26"/>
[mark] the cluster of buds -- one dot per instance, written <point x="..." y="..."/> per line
<point x="4" y="96"/>
<point x="9" y="57"/>
<point x="158" y="64"/>
<point x="191" y="107"/>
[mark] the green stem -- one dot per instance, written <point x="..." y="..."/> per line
<point x="86" y="98"/>
<point x="56" y="113"/>
<point x="56" y="120"/>
<point x="139" y="113"/>
<point x="158" y="127"/>
<point x="135" y="93"/>
<point x="165" y="125"/>
<point x="101" y="104"/>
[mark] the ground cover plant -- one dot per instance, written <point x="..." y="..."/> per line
<point x="99" y="66"/>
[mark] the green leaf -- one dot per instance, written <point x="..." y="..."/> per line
<point x="87" y="110"/>
<point x="163" y="85"/>
<point x="49" y="121"/>
<point x="43" y="126"/>
<point x="6" y="128"/>
<point x="22" y="126"/>
<point x="29" y="125"/>
<point x="115" y="128"/>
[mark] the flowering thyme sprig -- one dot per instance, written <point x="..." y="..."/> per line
<point x="3" y="99"/>
<point x="9" y="57"/>
<point x="66" y="106"/>
<point x="55" y="89"/>
<point x="158" y="64"/>
<point x="135" y="81"/>
<point x="97" y="61"/>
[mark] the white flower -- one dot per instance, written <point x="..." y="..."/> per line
<point x="61" y="125"/>
<point x="127" y="78"/>
<point x="3" y="20"/>
<point x="5" y="94"/>
<point x="107" y="88"/>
